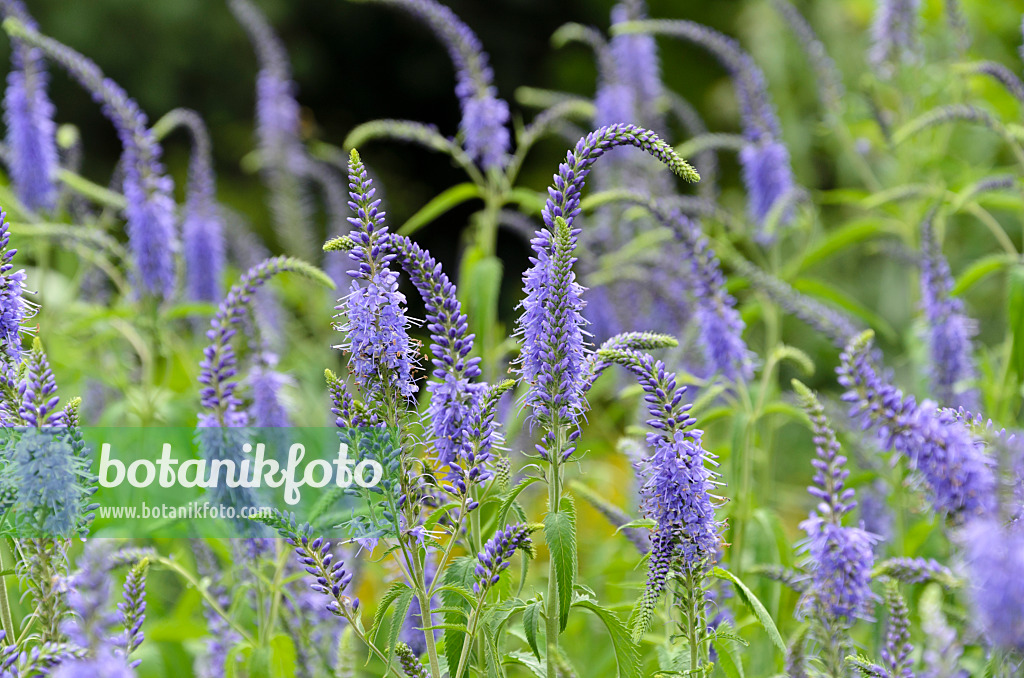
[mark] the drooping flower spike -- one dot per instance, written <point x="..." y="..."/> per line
<point x="765" y="161"/>
<point x="677" y="483"/>
<point x="28" y="113"/>
<point x="552" y="325"/>
<point x="829" y="80"/>
<point x="147" y="189"/>
<point x="202" y="228"/>
<point x="219" y="368"/>
<point x="485" y="116"/>
<point x="957" y="474"/>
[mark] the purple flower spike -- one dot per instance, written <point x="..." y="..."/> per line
<point x="202" y="225"/>
<point x="894" y="34"/>
<point x="31" y="133"/>
<point x="948" y="330"/>
<point x="497" y="553"/>
<point x="957" y="474"/>
<point x="484" y="126"/>
<point x="676" y="483"/>
<point x="840" y="557"/>
<point x="375" y="325"/>
<point x="147" y="190"/>
<point x="994" y="554"/>
<point x="636" y="61"/>
<point x="13" y="307"/>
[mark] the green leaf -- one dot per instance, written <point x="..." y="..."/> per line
<point x="728" y="659"/>
<point x="457" y="580"/>
<point x="979" y="270"/>
<point x="522" y="658"/>
<point x="625" y="650"/>
<point x="398" y="620"/>
<point x="1015" y="320"/>
<point x="478" y="290"/>
<point x="560" y="534"/>
<point x="838" y="241"/>
<point x="390" y="596"/>
<point x="446" y="201"/>
<point x="531" y="624"/>
<point x="755" y="606"/>
<point x="510" y="498"/>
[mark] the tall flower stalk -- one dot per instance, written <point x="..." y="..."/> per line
<point x="148" y="191"/>
<point x="31" y="132"/>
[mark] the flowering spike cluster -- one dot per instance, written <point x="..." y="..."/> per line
<point x="265" y="383"/>
<point x="88" y="597"/>
<point x="375" y="325"/>
<point x="896" y="653"/>
<point x="485" y="117"/>
<point x="767" y="172"/>
<point x="841" y="557"/>
<point x="277" y="111"/>
<point x="676" y="482"/>
<point x="830" y="474"/>
<point x="994" y="555"/>
<point x="454" y="398"/>
<point x="28" y="112"/>
<point x="636" y="61"/>
<point x="13" y="308"/>
<point x="497" y="554"/>
<point x="410" y="663"/>
<point x="948" y="328"/>
<point x="104" y="663"/>
<point x="219" y="366"/>
<point x="551" y="327"/>
<point x="147" y="190"/>
<point x="893" y="34"/>
<point x="47" y="480"/>
<point x="721" y="328"/>
<point x="133" y="609"/>
<point x="202" y="228"/>
<point x="38" y="390"/>
<point x="957" y="474"/>
<point x="315" y="556"/>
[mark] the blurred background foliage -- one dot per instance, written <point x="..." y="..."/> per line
<point x="354" y="63"/>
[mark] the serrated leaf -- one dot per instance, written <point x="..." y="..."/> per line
<point x="398" y="616"/>
<point x="625" y="650"/>
<point x="510" y="498"/>
<point x="531" y="624"/>
<point x="390" y="596"/>
<point x="560" y="534"/>
<point x="754" y="605"/>
<point x="455" y="593"/>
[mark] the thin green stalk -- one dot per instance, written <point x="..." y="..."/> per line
<point x="5" y="604"/>
<point x="426" y="615"/>
<point x="464" y="657"/>
<point x="210" y="600"/>
<point x="554" y="498"/>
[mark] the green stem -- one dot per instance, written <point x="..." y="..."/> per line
<point x="5" y="605"/>
<point x="210" y="600"/>
<point x="464" y="657"/>
<point x="553" y="612"/>
<point x="428" y="617"/>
